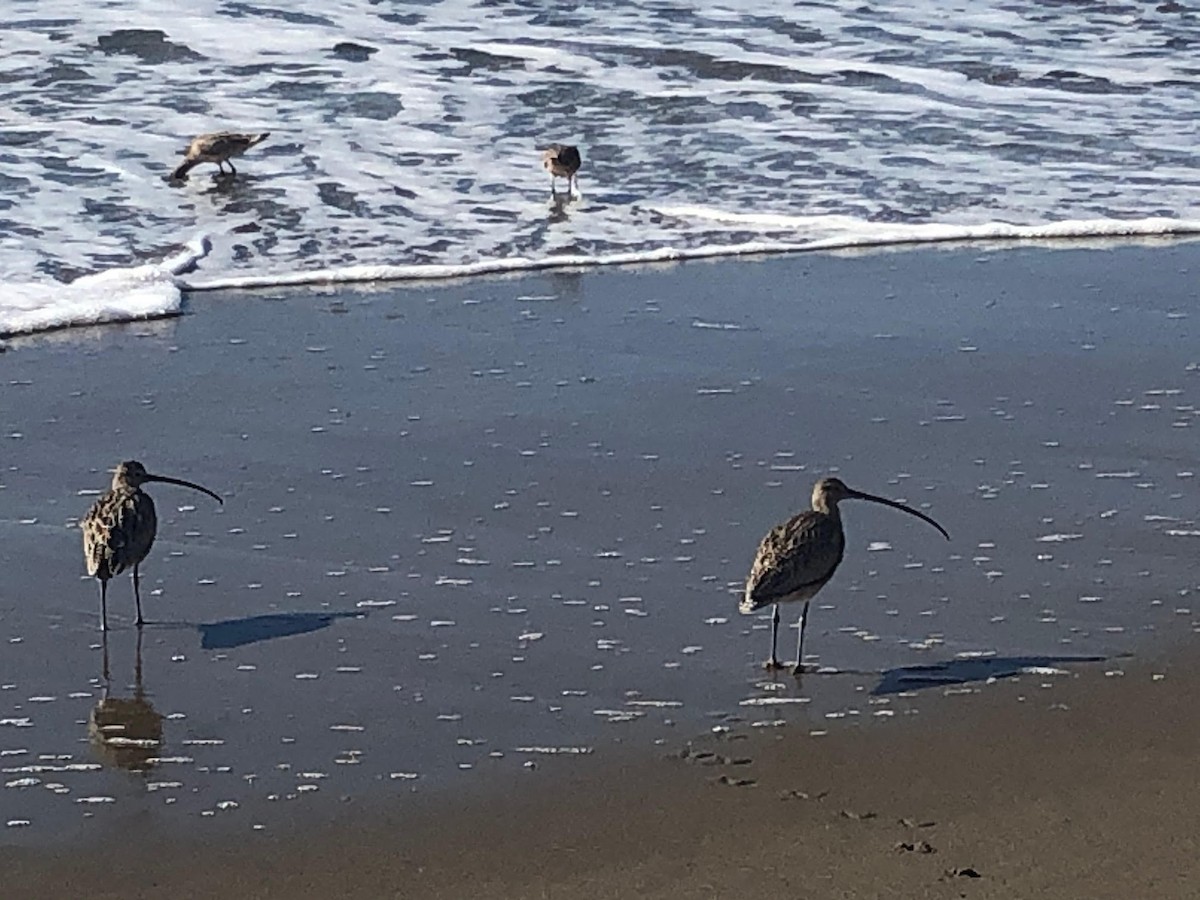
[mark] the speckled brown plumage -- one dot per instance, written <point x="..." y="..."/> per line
<point x="798" y="557"/>
<point x="218" y="147"/>
<point x="119" y="529"/>
<point x="795" y="559"/>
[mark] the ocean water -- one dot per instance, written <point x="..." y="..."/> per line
<point x="404" y="136"/>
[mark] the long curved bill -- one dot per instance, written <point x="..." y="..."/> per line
<point x="859" y="495"/>
<point x="202" y="489"/>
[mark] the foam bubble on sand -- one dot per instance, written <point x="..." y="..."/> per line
<point x="773" y="701"/>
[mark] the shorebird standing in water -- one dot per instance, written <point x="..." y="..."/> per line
<point x="561" y="161"/>
<point x="798" y="557"/>
<point x="119" y="529"/>
<point x="219" y="147"/>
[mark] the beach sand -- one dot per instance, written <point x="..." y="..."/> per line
<point x="476" y="576"/>
<point x="1076" y="787"/>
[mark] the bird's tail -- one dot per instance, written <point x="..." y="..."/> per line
<point x="258" y="138"/>
<point x="184" y="167"/>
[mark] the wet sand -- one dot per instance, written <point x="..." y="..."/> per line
<point x="479" y="537"/>
<point x="1042" y="786"/>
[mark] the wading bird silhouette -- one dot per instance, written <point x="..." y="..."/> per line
<point x="798" y="557"/>
<point x="219" y="147"/>
<point x="561" y="161"/>
<point x="119" y="529"/>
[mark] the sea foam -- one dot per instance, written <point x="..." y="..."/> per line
<point x="404" y="142"/>
<point x="811" y="233"/>
<point x="115" y="295"/>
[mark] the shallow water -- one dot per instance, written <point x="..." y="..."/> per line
<point x="471" y="526"/>
<point x="405" y="134"/>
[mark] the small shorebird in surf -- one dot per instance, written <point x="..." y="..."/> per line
<point x="561" y="161"/>
<point x="219" y="147"/>
<point x="119" y="529"/>
<point x="798" y="557"/>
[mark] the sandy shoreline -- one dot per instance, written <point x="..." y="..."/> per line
<point x="1072" y="786"/>
<point x="465" y="523"/>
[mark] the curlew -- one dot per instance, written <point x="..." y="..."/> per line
<point x="219" y="147"/>
<point x="561" y="161"/>
<point x="798" y="557"/>
<point x="119" y="529"/>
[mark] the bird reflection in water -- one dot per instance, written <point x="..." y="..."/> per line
<point x="558" y="207"/>
<point x="126" y="732"/>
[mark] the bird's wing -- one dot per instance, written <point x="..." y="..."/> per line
<point x="230" y="143"/>
<point x="117" y="534"/>
<point x="569" y="156"/>
<point x="140" y="526"/>
<point x="218" y="143"/>
<point x="802" y="552"/>
<point x="200" y="144"/>
<point x="103" y="538"/>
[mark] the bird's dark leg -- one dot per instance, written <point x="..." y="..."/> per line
<point x="221" y="166"/>
<point x="232" y="170"/>
<point x="553" y="185"/>
<point x="104" y="653"/>
<point x="137" y="596"/>
<point x="773" y="662"/>
<point x="800" y="641"/>
<point x="137" y="667"/>
<point x="104" y="605"/>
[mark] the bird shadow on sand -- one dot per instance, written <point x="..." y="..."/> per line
<point x="964" y="671"/>
<point x="229" y="633"/>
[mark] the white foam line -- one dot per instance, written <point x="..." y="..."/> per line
<point x="437" y="271"/>
<point x="863" y="235"/>
<point x="870" y="233"/>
